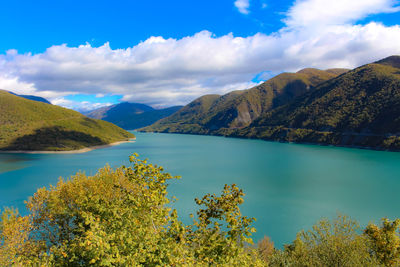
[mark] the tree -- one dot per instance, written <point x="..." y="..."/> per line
<point x="122" y="218"/>
<point x="265" y="249"/>
<point x="385" y="241"/>
<point x="221" y="231"/>
<point x="334" y="243"/>
<point x="16" y="247"/>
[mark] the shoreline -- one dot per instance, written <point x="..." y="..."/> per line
<point x="77" y="151"/>
<point x="286" y="142"/>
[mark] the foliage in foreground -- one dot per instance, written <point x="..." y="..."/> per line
<point x="123" y="217"/>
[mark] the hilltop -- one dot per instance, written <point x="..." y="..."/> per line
<point x="237" y="109"/>
<point x="32" y="97"/>
<point x="131" y="115"/>
<point x="360" y="108"/>
<point x="32" y="125"/>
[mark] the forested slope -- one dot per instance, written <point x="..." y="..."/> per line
<point x="32" y="125"/>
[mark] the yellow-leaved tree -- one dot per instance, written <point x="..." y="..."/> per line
<point x="121" y="218"/>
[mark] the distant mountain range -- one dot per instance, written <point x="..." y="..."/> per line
<point x="32" y="125"/>
<point x="360" y="107"/>
<point x="131" y="115"/>
<point x="32" y="97"/>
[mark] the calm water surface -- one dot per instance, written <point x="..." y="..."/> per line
<point x="288" y="186"/>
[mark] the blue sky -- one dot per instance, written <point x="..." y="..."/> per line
<point x="85" y="54"/>
<point x="33" y="26"/>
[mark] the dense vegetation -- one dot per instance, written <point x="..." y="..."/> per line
<point x="124" y="217"/>
<point x="209" y="114"/>
<point x="131" y="115"/>
<point x="358" y="108"/>
<point x="32" y="125"/>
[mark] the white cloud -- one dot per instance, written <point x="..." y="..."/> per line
<point x="13" y="83"/>
<point x="243" y="6"/>
<point x="80" y="106"/>
<point x="163" y="71"/>
<point x="310" y="13"/>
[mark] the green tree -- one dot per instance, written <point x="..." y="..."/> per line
<point x="221" y="231"/>
<point x="336" y="243"/>
<point x="385" y="241"/>
<point x="16" y="246"/>
<point x="123" y="217"/>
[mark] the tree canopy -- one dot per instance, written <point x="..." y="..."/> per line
<point x="121" y="217"/>
<point x="125" y="217"/>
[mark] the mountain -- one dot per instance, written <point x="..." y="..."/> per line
<point x="32" y="97"/>
<point x="115" y="111"/>
<point x="131" y="115"/>
<point x="211" y="113"/>
<point x="32" y="125"/>
<point x="359" y="108"/>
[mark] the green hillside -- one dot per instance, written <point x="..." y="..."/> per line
<point x="188" y="119"/>
<point x="32" y="97"/>
<point x="360" y="108"/>
<point x="131" y="115"/>
<point x="32" y="125"/>
<point x="337" y="71"/>
<point x="209" y="114"/>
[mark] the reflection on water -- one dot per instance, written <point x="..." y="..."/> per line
<point x="12" y="162"/>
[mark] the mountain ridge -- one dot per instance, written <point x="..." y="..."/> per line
<point x="32" y="125"/>
<point x="239" y="108"/>
<point x="356" y="108"/>
<point x="131" y="115"/>
<point x="31" y="97"/>
<point x="359" y="109"/>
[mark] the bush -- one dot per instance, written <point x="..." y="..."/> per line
<point x="334" y="243"/>
<point x="385" y="241"/>
<point x="121" y="218"/>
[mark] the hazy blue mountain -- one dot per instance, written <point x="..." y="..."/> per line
<point x="131" y="115"/>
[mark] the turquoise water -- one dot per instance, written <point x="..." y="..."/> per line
<point x="288" y="186"/>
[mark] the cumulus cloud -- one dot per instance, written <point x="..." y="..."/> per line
<point x="163" y="72"/>
<point x="10" y="82"/>
<point x="310" y="13"/>
<point x="82" y="106"/>
<point x="243" y="6"/>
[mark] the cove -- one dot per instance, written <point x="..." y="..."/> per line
<point x="288" y="187"/>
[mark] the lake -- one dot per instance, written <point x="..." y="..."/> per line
<point x="288" y="187"/>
